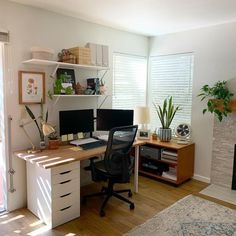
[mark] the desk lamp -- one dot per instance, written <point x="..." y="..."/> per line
<point x="142" y="117"/>
<point x="46" y="130"/>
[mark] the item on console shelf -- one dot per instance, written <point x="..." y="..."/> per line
<point x="42" y="53"/>
<point x="170" y="174"/>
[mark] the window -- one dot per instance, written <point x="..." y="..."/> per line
<point x="171" y="75"/>
<point x="129" y="81"/>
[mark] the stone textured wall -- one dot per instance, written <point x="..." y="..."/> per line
<point x="224" y="138"/>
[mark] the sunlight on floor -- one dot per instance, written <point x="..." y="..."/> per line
<point x="12" y="219"/>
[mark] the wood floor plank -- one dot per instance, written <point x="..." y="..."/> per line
<point x="153" y="197"/>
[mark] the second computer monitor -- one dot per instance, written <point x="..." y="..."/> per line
<point x="110" y="118"/>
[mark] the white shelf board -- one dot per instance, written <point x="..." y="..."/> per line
<point x="62" y="64"/>
<point x="76" y="95"/>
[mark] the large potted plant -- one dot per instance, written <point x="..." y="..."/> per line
<point x="218" y="99"/>
<point x="166" y="114"/>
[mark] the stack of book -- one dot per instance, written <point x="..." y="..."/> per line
<point x="168" y="155"/>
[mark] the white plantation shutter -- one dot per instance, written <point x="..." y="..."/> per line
<point x="129" y="81"/>
<point x="171" y="75"/>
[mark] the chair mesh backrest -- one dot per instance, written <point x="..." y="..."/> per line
<point x="117" y="156"/>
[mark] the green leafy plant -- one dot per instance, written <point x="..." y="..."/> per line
<point x="41" y="118"/>
<point x="167" y="112"/>
<point x="218" y="99"/>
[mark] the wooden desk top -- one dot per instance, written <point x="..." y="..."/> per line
<point x="64" y="155"/>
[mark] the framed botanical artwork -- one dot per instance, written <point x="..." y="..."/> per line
<point x="31" y="87"/>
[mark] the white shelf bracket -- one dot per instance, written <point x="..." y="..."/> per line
<point x="55" y="70"/>
<point x="55" y="102"/>
<point x="104" y="99"/>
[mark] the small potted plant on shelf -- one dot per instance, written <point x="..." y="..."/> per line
<point x="166" y="114"/>
<point x="218" y="99"/>
<point x="53" y="141"/>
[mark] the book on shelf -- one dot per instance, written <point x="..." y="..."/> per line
<point x="173" y="158"/>
<point x="169" y="161"/>
<point x="170" y="153"/>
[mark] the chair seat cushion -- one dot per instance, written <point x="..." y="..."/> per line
<point x="99" y="167"/>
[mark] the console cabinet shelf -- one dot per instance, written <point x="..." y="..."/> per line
<point x="167" y="161"/>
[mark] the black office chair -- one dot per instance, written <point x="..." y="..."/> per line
<point x="117" y="165"/>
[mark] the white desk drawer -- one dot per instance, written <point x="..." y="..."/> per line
<point x="65" y="168"/>
<point x="66" y="214"/>
<point x="66" y="200"/>
<point x="64" y="176"/>
<point x="65" y="187"/>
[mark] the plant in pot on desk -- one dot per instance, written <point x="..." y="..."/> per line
<point x="166" y="114"/>
<point x="53" y="141"/>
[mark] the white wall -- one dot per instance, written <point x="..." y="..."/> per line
<point x="214" y="59"/>
<point x="34" y="27"/>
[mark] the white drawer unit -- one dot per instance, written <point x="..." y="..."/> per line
<point x="54" y="194"/>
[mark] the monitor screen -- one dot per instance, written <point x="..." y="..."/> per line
<point x="75" y="121"/>
<point x="110" y="118"/>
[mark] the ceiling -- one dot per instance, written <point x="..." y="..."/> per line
<point x="146" y="17"/>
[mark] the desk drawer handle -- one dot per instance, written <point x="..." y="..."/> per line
<point x="63" y="209"/>
<point x="64" y="182"/>
<point x="66" y="172"/>
<point x="65" y="195"/>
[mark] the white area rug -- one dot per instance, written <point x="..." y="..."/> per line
<point x="221" y="193"/>
<point x="190" y="216"/>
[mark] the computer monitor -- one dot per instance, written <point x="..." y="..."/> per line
<point x="75" y="121"/>
<point x="110" y="118"/>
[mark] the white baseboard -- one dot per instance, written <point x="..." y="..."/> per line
<point x="202" y="178"/>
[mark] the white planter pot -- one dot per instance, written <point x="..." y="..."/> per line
<point x="164" y="134"/>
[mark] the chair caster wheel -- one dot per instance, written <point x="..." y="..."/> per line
<point x="102" y="213"/>
<point x="131" y="207"/>
<point x="130" y="194"/>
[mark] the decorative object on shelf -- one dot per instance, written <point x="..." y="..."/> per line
<point x="142" y="117"/>
<point x="42" y="53"/>
<point x="166" y="114"/>
<point x="102" y="87"/>
<point x="44" y="128"/>
<point x="65" y="81"/>
<point x="154" y="135"/>
<point x="83" y="55"/>
<point x="92" y="86"/>
<point x="79" y="89"/>
<point x="31" y="87"/>
<point x="218" y="99"/>
<point x="66" y="56"/>
<point x="183" y="132"/>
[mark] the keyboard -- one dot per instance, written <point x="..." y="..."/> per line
<point x="92" y="145"/>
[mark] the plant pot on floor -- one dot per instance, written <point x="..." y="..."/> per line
<point x="164" y="134"/>
<point x="53" y="144"/>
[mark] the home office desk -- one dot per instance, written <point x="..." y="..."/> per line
<point x="53" y="181"/>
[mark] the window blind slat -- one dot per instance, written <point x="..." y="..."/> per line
<point x="171" y="75"/>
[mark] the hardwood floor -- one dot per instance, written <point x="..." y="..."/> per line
<point x="153" y="197"/>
